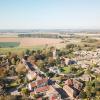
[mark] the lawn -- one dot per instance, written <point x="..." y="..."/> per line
<point x="65" y="70"/>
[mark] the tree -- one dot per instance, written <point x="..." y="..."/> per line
<point x="27" y="52"/>
<point x="74" y="69"/>
<point x="51" y="61"/>
<point x="50" y="74"/>
<point x="24" y="91"/>
<point x="40" y="64"/>
<point x="71" y="46"/>
<point x="88" y="71"/>
<point x="94" y="65"/>
<point x="88" y="89"/>
<point x="20" y="68"/>
<point x="82" y="95"/>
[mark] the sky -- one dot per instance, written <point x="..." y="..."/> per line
<point x="49" y="14"/>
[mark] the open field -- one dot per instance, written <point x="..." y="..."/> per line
<point x="39" y="43"/>
<point x="29" y="42"/>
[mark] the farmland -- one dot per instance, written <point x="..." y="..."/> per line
<point x="9" y="44"/>
<point x="16" y="44"/>
<point x="29" y="42"/>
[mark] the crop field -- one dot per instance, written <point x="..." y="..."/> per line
<point x="21" y="44"/>
<point x="9" y="44"/>
<point x="29" y="42"/>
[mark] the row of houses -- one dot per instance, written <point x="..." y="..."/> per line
<point x="44" y="86"/>
<point x="86" y="59"/>
<point x="73" y="87"/>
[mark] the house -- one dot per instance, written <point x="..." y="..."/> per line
<point x="72" y="87"/>
<point x="70" y="91"/>
<point x="96" y="70"/>
<point x="41" y="89"/>
<point x="78" y="85"/>
<point x="85" y="77"/>
<point x="38" y="86"/>
<point x="54" y="70"/>
<point x="69" y="82"/>
<point x="38" y="83"/>
<point x="69" y="61"/>
<point x="53" y="94"/>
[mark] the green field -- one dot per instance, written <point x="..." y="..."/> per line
<point x="9" y="44"/>
<point x="20" y="49"/>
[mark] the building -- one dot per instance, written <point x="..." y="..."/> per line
<point x="70" y="91"/>
<point x="54" y="70"/>
<point x="53" y="94"/>
<point x="72" y="87"/>
<point x="85" y="77"/>
<point x="37" y="84"/>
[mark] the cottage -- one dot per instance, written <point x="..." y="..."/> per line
<point x="69" y="61"/>
<point x="54" y="70"/>
<point x="85" y="77"/>
<point x="53" y="94"/>
<point x="69" y="82"/>
<point x="70" y="91"/>
<point x="38" y="83"/>
<point x="72" y="87"/>
<point x="78" y="85"/>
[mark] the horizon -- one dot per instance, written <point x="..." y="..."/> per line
<point x="51" y="14"/>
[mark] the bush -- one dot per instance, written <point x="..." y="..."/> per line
<point x="69" y="46"/>
<point x="24" y="91"/>
<point x="79" y="73"/>
<point x="82" y="95"/>
<point x="50" y="74"/>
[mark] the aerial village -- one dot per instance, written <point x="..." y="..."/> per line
<point x="50" y="74"/>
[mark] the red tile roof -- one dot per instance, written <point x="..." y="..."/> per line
<point x="42" y="89"/>
<point x="38" y="82"/>
<point x="53" y="98"/>
<point x="33" y="84"/>
<point x="69" y="82"/>
<point x="42" y="81"/>
<point x="32" y="93"/>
